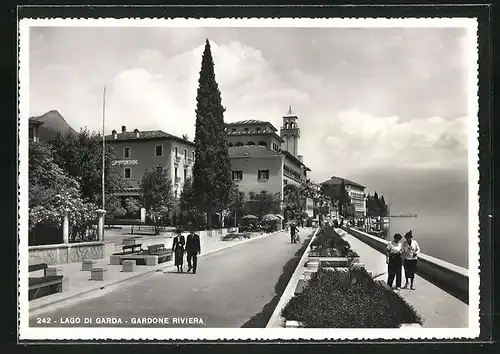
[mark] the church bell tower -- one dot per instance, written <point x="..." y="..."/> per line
<point x="290" y="133"/>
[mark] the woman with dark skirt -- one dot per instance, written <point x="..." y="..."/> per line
<point x="178" y="249"/>
<point x="410" y="255"/>
<point x="394" y="261"/>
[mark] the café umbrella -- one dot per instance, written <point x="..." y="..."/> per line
<point x="249" y="217"/>
<point x="269" y="217"/>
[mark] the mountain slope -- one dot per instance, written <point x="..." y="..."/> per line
<point x="53" y="122"/>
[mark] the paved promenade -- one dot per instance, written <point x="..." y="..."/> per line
<point x="80" y="284"/>
<point x="230" y="288"/>
<point x="437" y="308"/>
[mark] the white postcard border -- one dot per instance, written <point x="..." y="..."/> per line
<point x="55" y="333"/>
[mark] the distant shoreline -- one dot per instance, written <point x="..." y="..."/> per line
<point x="404" y="216"/>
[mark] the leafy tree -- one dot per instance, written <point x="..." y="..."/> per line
<point x="132" y="205"/>
<point x="236" y="201"/>
<point x="212" y="169"/>
<point x="260" y="204"/>
<point x="343" y="200"/>
<point x="188" y="206"/>
<point x="157" y="195"/>
<point x="51" y="192"/>
<point x="293" y="201"/>
<point x="80" y="155"/>
<point x="114" y="209"/>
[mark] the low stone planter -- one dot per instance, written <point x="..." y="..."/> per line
<point x="88" y="264"/>
<point x="98" y="274"/>
<point x="140" y="259"/>
<point x="128" y="266"/>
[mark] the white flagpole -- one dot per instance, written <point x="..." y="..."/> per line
<point x="103" y="145"/>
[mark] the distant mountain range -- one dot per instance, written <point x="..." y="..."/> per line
<point x="53" y="122"/>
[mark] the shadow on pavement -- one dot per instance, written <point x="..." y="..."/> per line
<point x="261" y="319"/>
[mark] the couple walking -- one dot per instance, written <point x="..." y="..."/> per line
<point x="402" y="253"/>
<point x="191" y="247"/>
<point x="294" y="233"/>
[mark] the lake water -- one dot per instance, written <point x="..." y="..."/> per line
<point x="443" y="237"/>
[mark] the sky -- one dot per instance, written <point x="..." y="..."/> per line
<point x="385" y="107"/>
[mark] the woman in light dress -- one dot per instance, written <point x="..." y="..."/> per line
<point x="410" y="257"/>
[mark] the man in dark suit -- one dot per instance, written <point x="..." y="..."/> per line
<point x="193" y="248"/>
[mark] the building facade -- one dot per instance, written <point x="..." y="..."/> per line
<point x="355" y="192"/>
<point x="139" y="151"/>
<point x="259" y="161"/>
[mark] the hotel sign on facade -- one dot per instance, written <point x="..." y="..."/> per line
<point x="124" y="162"/>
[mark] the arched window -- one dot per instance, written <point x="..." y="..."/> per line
<point x="245" y="129"/>
<point x="230" y="144"/>
<point x="286" y="125"/>
<point x="257" y="129"/>
<point x="262" y="143"/>
<point x="239" y="143"/>
<point x="250" y="143"/>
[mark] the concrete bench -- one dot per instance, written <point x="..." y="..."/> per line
<point x="98" y="274"/>
<point x="88" y="264"/>
<point x="129" y="265"/>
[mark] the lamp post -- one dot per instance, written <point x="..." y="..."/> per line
<point x="101" y="217"/>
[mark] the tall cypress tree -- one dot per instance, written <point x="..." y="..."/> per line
<point x="212" y="167"/>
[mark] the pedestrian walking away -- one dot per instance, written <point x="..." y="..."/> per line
<point x="410" y="257"/>
<point x="394" y="261"/>
<point x="178" y="249"/>
<point x="293" y="233"/>
<point x="193" y="249"/>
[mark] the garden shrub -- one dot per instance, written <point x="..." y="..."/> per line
<point x="348" y="299"/>
<point x="330" y="244"/>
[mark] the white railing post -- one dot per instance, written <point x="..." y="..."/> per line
<point x="100" y="224"/>
<point x="65" y="226"/>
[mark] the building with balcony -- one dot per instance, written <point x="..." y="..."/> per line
<point x="355" y="192"/>
<point x="139" y="151"/>
<point x="258" y="160"/>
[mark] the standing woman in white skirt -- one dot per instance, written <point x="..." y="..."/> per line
<point x="410" y="257"/>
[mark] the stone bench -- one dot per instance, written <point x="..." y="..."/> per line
<point x="128" y="265"/>
<point x="88" y="264"/>
<point x="98" y="274"/>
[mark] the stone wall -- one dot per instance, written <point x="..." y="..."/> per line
<point x="449" y="277"/>
<point x="69" y="252"/>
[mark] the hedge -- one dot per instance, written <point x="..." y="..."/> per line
<point x="330" y="244"/>
<point x="348" y="299"/>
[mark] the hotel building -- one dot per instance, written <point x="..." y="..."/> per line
<point x="355" y="192"/>
<point x="263" y="160"/>
<point x="139" y="151"/>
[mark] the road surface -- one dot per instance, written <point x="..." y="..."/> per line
<point x="230" y="288"/>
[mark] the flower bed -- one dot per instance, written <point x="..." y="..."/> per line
<point x="348" y="299"/>
<point x="329" y="243"/>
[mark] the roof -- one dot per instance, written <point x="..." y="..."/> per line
<point x="251" y="151"/>
<point x="290" y="113"/>
<point x="252" y="122"/>
<point x="294" y="159"/>
<point x="334" y="181"/>
<point x="147" y="135"/>
<point x="279" y="138"/>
